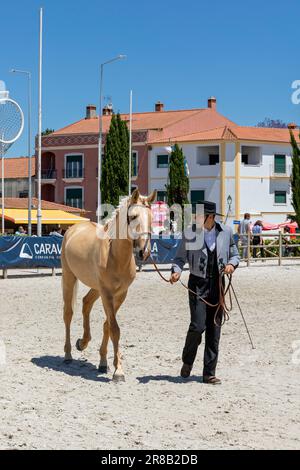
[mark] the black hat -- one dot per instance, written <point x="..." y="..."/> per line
<point x="209" y="208"/>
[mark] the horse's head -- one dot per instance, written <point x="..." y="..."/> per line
<point x="139" y="223"/>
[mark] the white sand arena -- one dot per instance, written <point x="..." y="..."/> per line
<point x="46" y="404"/>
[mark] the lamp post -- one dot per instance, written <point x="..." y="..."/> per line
<point x="28" y="74"/>
<point x="119" y="57"/>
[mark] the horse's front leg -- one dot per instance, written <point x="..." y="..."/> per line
<point x="111" y="307"/>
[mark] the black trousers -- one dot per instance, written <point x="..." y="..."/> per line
<point x="257" y="241"/>
<point x="202" y="319"/>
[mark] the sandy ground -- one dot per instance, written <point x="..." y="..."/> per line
<point x="46" y="404"/>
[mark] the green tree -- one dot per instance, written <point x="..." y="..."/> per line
<point x="114" y="178"/>
<point x="295" y="178"/>
<point x="123" y="161"/>
<point x="47" y="131"/>
<point x="178" y="185"/>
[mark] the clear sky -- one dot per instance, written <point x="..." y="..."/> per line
<point x="179" y="52"/>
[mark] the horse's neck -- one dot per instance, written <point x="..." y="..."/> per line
<point x="121" y="247"/>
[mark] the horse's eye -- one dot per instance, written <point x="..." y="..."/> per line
<point x="133" y="217"/>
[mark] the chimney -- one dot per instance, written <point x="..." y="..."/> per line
<point x="108" y="110"/>
<point x="292" y="125"/>
<point x="91" y="112"/>
<point x="212" y="103"/>
<point x="159" y="107"/>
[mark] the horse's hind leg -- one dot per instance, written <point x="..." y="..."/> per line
<point x="87" y="305"/>
<point x="69" y="288"/>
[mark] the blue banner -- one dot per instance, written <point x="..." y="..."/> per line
<point x="163" y="250"/>
<point x="30" y="252"/>
<point x="44" y="252"/>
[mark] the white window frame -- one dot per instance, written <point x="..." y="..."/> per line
<point x="65" y="164"/>
<point x="162" y="167"/>
<point x="74" y="187"/>
<point x="137" y="163"/>
<point x="286" y="197"/>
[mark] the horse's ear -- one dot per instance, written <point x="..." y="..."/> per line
<point x="151" y="198"/>
<point x="135" y="196"/>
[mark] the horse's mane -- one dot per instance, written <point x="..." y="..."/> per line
<point x="109" y="224"/>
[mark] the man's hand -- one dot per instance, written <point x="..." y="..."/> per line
<point x="174" y="277"/>
<point x="229" y="269"/>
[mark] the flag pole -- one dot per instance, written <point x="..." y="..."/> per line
<point x="130" y="143"/>
<point x="39" y="208"/>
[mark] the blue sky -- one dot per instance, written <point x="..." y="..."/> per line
<point x="244" y="53"/>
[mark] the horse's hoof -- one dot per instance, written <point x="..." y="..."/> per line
<point x="117" y="378"/>
<point x="103" y="369"/>
<point x="68" y="361"/>
<point x="78" y="345"/>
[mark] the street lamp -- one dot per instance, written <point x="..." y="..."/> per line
<point x="28" y="74"/>
<point x="119" y="57"/>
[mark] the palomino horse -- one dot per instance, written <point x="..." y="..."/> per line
<point x="102" y="259"/>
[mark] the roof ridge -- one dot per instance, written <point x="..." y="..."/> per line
<point x="261" y="127"/>
<point x="182" y="119"/>
<point x="228" y="129"/>
<point x="204" y="130"/>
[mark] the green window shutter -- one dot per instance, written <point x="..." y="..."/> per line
<point x="161" y="196"/>
<point x="280" y="197"/>
<point x="74" y="158"/>
<point x="74" y="166"/>
<point x="279" y="164"/>
<point x="162" y="161"/>
<point x="74" y="197"/>
<point x="134" y="164"/>
<point x="197" y="196"/>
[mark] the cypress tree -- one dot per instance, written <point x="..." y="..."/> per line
<point x="178" y="186"/>
<point x="114" y="178"/>
<point x="123" y="160"/>
<point x="295" y="178"/>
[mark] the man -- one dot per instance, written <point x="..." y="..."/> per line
<point x="244" y="229"/>
<point x="208" y="250"/>
<point x="21" y="231"/>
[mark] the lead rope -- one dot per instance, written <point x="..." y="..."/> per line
<point x="221" y="305"/>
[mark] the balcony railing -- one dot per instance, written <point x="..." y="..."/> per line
<point x="74" y="202"/>
<point x="280" y="170"/>
<point x="73" y="173"/>
<point x="48" y="174"/>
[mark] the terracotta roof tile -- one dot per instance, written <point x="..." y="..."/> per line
<point x="264" y="134"/>
<point x="17" y="167"/>
<point x="22" y="203"/>
<point x="165" y="123"/>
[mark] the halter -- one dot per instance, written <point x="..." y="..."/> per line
<point x="148" y="234"/>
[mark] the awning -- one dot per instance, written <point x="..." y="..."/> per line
<point x="57" y="217"/>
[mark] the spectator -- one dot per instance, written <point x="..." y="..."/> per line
<point x="21" y="231"/>
<point x="257" y="238"/>
<point x="286" y="250"/>
<point x="57" y="232"/>
<point x="243" y="230"/>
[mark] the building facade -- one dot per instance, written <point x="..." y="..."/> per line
<point x="16" y="181"/>
<point x="243" y="169"/>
